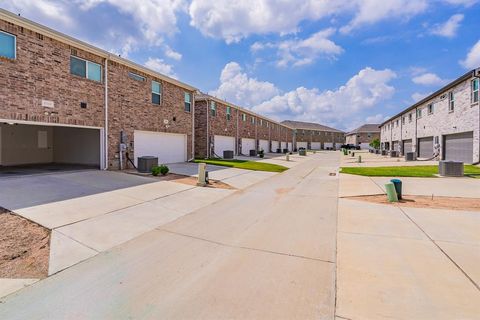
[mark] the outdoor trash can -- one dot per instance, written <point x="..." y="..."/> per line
<point x="228" y="154"/>
<point x="398" y="187"/>
<point x="302" y="152"/>
<point x="146" y="163"/>
<point x="253" y="153"/>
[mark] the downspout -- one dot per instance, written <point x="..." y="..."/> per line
<point x="237" y="139"/>
<point x="193" y="126"/>
<point x="208" y="137"/>
<point x="105" y="130"/>
<point x="257" y="142"/>
<point x="416" y="131"/>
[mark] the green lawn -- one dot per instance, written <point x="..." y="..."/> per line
<point x="244" y="164"/>
<point x="412" y="171"/>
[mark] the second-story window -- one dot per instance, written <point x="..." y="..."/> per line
<point x="213" y="108"/>
<point x="244" y="117"/>
<point x="475" y="86"/>
<point x="451" y="101"/>
<point x="156" y="92"/>
<point x="136" y="77"/>
<point x="8" y="45"/>
<point x="419" y="113"/>
<point x="430" y="108"/>
<point x="85" y="69"/>
<point x="229" y="113"/>
<point x="403" y="120"/>
<point x="410" y="117"/>
<point x="188" y="101"/>
<point x="253" y="120"/>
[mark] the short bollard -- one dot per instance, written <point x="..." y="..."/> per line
<point x="359" y="159"/>
<point x="202" y="175"/>
<point x="353" y="154"/>
<point x="397" y="183"/>
<point x="391" y="192"/>
<point x="287" y="157"/>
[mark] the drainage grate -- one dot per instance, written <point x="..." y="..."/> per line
<point x="332" y="174"/>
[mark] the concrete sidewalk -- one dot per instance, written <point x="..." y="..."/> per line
<point x="267" y="252"/>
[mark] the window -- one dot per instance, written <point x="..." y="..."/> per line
<point x="419" y="113"/>
<point x="8" y="45"/>
<point x="261" y="122"/>
<point x="244" y="117"/>
<point x="430" y="108"/>
<point x="156" y="93"/>
<point x="410" y="116"/>
<point x="268" y="124"/>
<point x="213" y="108"/>
<point x="403" y="121"/>
<point x="397" y="123"/>
<point x="229" y="113"/>
<point x="253" y="120"/>
<point x="475" y="85"/>
<point x="188" y="101"/>
<point x="85" y="69"/>
<point x="451" y="101"/>
<point x="136" y="77"/>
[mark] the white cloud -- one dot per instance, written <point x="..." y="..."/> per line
<point x="235" y="20"/>
<point x="466" y="3"/>
<point x="378" y="118"/>
<point x="44" y="9"/>
<point x="153" y="17"/>
<point x="472" y="60"/>
<point x="449" y="28"/>
<point x="172" y="54"/>
<point x="428" y="79"/>
<point x="336" y="107"/>
<point x="417" y="96"/>
<point x="372" y="11"/>
<point x="238" y="88"/>
<point x="160" y="66"/>
<point x="299" y="52"/>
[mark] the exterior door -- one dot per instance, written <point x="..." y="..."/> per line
<point x="407" y="146"/>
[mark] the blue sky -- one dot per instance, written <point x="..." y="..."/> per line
<point x="341" y="63"/>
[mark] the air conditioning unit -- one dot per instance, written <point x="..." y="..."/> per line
<point x="410" y="156"/>
<point x="450" y="168"/>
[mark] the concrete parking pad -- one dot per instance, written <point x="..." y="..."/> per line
<point x="361" y="217"/>
<point x="28" y="191"/>
<point x="154" y="190"/>
<point x="400" y="278"/>
<point x="8" y="286"/>
<point x="467" y="256"/>
<point x="352" y="185"/>
<point x="248" y="179"/>
<point x="65" y="252"/>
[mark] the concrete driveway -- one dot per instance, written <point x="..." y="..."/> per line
<point x="267" y="252"/>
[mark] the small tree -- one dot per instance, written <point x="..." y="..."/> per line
<point x="375" y="144"/>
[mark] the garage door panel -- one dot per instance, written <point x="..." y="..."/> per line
<point x="275" y="146"/>
<point x="316" y="145"/>
<point x="407" y="146"/>
<point x="327" y="145"/>
<point x="247" y="145"/>
<point x="168" y="147"/>
<point x="459" y="147"/>
<point x="223" y="143"/>
<point x="425" y="147"/>
<point x="263" y="144"/>
<point x="283" y="145"/>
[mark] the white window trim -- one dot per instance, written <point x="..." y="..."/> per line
<point x="451" y="94"/>
<point x="430" y="109"/>
<point x="132" y="76"/>
<point x="160" y="94"/>
<point x="477" y="91"/>
<point x="14" y="44"/>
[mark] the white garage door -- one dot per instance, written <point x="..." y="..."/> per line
<point x="168" y="147"/>
<point x="301" y="145"/>
<point x="263" y="144"/>
<point x="289" y="146"/>
<point x="327" y="145"/>
<point x="223" y="143"/>
<point x="315" y="145"/>
<point x="275" y="146"/>
<point x="364" y="146"/>
<point x="283" y="145"/>
<point x="247" y="145"/>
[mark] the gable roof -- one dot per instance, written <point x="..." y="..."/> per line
<point x="309" y="126"/>
<point x="369" y="127"/>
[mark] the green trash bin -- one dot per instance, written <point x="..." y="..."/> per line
<point x="398" y="187"/>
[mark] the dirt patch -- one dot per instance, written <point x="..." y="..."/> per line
<point x="451" y="203"/>
<point x="24" y="247"/>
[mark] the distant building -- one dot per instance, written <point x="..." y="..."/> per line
<point x="314" y="136"/>
<point x="363" y="135"/>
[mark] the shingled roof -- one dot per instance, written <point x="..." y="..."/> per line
<point x="308" y="126"/>
<point x="371" y="127"/>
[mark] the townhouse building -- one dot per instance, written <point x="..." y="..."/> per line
<point x="314" y="136"/>
<point x="64" y="101"/>
<point x="444" y="126"/>
<point x="222" y="126"/>
<point x="363" y="135"/>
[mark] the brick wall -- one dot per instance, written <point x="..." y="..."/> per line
<point x="201" y="114"/>
<point x="41" y="71"/>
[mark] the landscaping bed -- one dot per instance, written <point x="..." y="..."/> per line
<point x="180" y="178"/>
<point x="244" y="164"/>
<point x="451" y="203"/>
<point x="24" y="247"/>
<point x="405" y="171"/>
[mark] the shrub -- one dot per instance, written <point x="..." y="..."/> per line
<point x="161" y="169"/>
